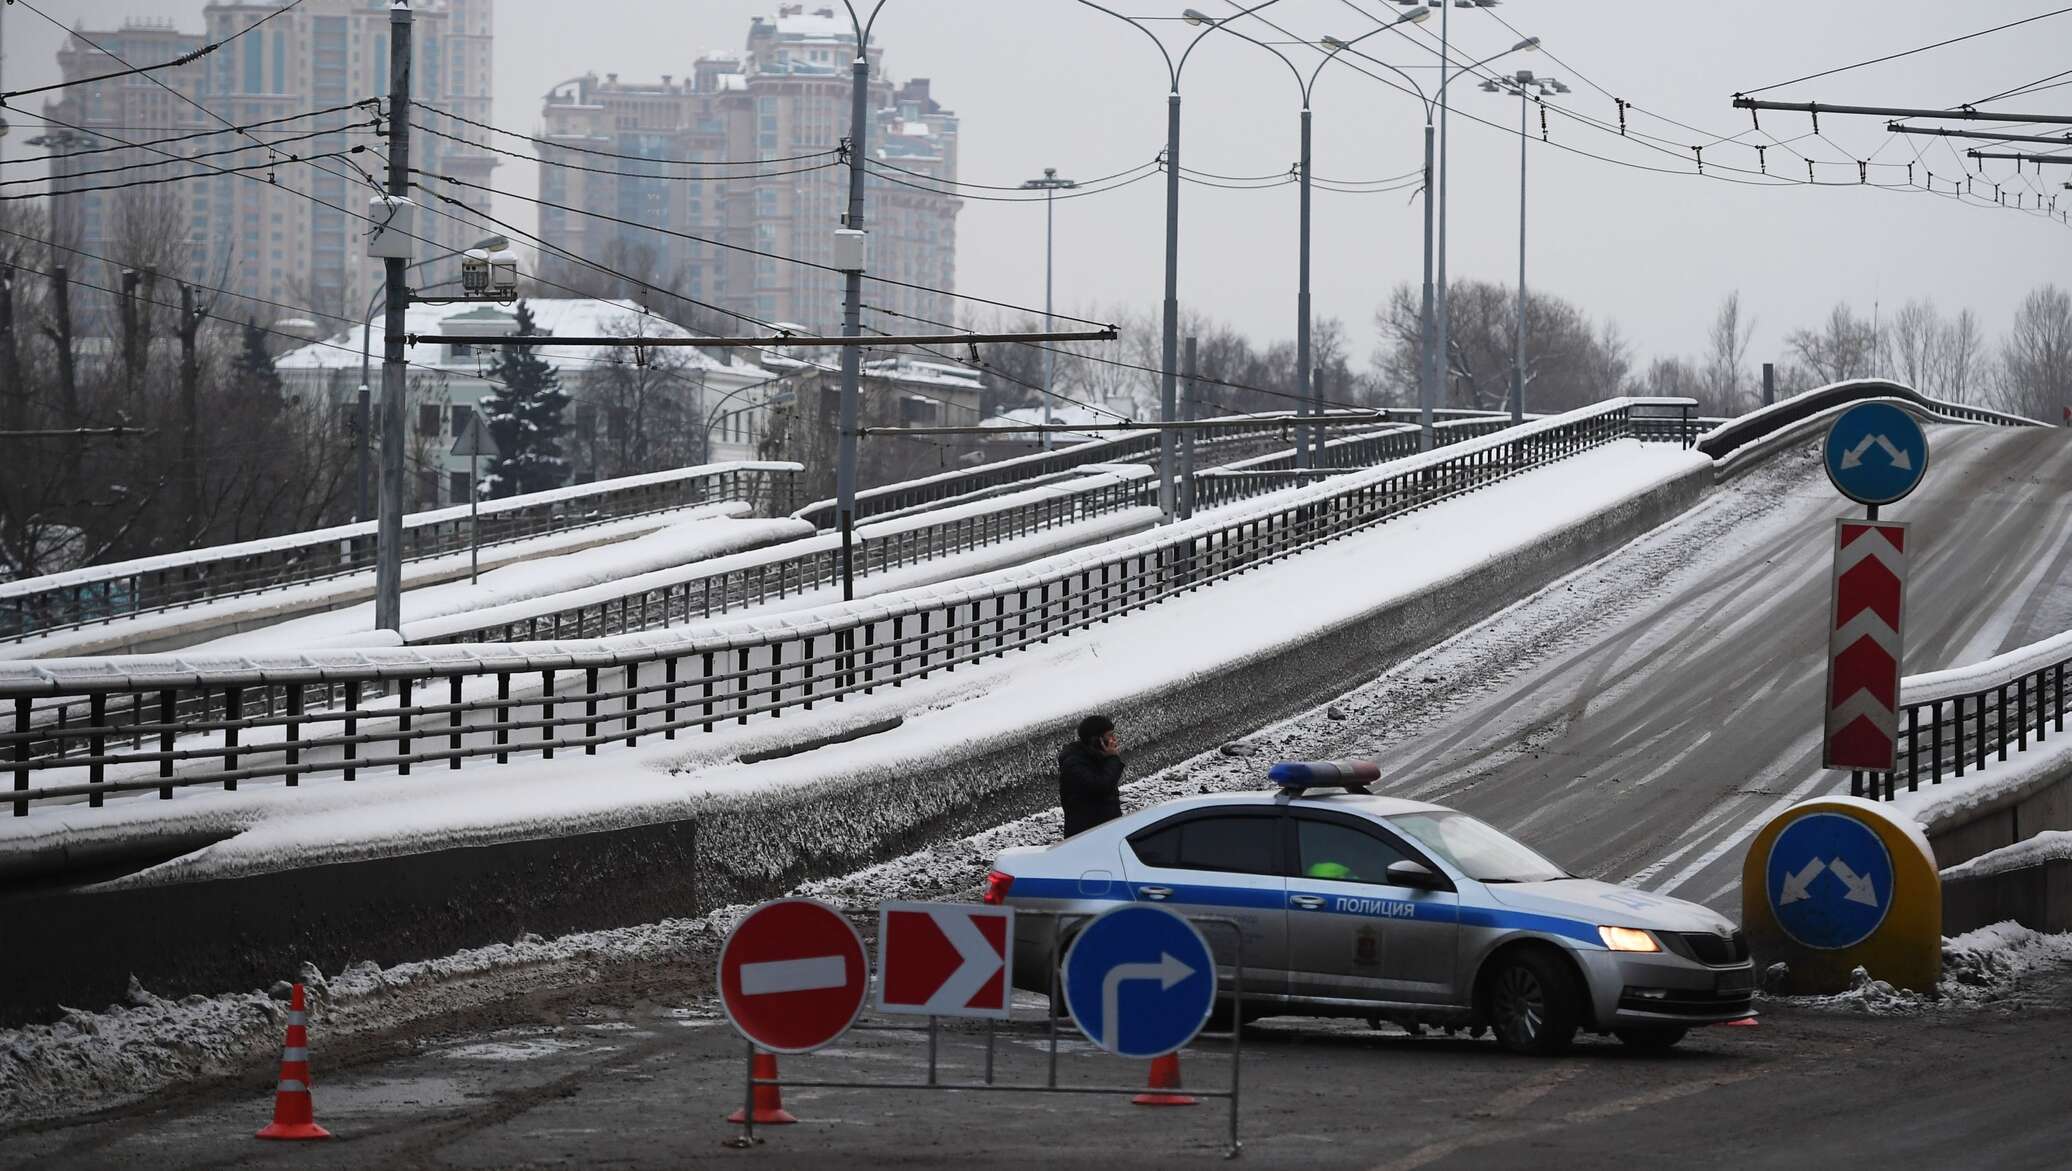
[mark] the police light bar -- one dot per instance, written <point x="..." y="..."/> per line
<point x="1324" y="774"/>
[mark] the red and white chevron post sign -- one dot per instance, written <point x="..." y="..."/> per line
<point x="1864" y="644"/>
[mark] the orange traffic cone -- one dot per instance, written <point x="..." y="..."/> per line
<point x="1747" y="1022"/>
<point x="1165" y="1077"/>
<point x="292" y="1114"/>
<point x="769" y="1100"/>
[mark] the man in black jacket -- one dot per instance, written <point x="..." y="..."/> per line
<point x="1090" y="776"/>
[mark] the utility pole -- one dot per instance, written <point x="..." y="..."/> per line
<point x="852" y="308"/>
<point x="388" y="541"/>
<point x="190" y="409"/>
<point x="1050" y="185"/>
<point x="1525" y="84"/>
<point x="1308" y="440"/>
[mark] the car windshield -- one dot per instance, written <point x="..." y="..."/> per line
<point x="1475" y="849"/>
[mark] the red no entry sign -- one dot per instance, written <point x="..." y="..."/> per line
<point x="944" y="959"/>
<point x="793" y="975"/>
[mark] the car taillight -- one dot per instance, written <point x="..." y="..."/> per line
<point x="996" y="888"/>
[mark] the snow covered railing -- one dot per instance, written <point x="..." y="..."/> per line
<point x="1133" y="447"/>
<point x="707" y="589"/>
<point x="1735" y="434"/>
<point x="1961" y="716"/>
<point x="164" y="722"/>
<point x="1246" y="478"/>
<point x="102" y="594"/>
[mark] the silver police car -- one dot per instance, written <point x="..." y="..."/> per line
<point x="1358" y="905"/>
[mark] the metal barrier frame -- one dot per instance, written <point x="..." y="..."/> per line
<point x="255" y="715"/>
<point x="103" y="595"/>
<point x="1971" y="725"/>
<point x="1233" y="1093"/>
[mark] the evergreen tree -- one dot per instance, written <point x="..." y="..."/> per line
<point x="252" y="371"/>
<point x="524" y="416"/>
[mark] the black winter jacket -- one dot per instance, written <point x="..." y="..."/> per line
<point x="1089" y="787"/>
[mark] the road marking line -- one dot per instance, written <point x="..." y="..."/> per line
<point x="803" y="975"/>
<point x="1519" y="1097"/>
<point x="1748" y="829"/>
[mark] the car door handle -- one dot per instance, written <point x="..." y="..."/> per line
<point x="1306" y="902"/>
<point x="1156" y="893"/>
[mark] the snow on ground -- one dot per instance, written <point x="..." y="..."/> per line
<point x="713" y="531"/>
<point x="1999" y="964"/>
<point x="2053" y="845"/>
<point x="990" y="703"/>
<point x="220" y="612"/>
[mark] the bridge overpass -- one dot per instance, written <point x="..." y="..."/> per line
<point x="758" y="686"/>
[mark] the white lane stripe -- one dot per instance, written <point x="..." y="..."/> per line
<point x="793" y="975"/>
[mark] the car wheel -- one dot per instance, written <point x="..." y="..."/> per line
<point x="1533" y="1004"/>
<point x="1650" y="1040"/>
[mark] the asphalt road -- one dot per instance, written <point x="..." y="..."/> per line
<point x="634" y="1081"/>
<point x="1648" y="745"/>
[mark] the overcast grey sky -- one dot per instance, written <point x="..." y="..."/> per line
<point x="1049" y="83"/>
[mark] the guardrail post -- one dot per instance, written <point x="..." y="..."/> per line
<point x="453" y="721"/>
<point x="294" y="755"/>
<point x="352" y="730"/>
<point x="708" y="691"/>
<point x="547" y="726"/>
<point x="503" y="717"/>
<point x="96" y="744"/>
<point x="2000" y="709"/>
<point x="632" y="704"/>
<point x="669" y="698"/>
<point x="898" y="647"/>
<point x="21" y="753"/>
<point x="233" y="710"/>
<point x="590" y="711"/>
<point x="741" y="691"/>
<point x="2021" y="723"/>
<point x="403" y="727"/>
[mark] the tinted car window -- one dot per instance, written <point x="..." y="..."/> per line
<point x="1160" y="847"/>
<point x="1241" y="844"/>
<point x="1329" y="849"/>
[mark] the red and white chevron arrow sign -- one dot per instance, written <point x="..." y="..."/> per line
<point x="945" y="959"/>
<point x="1864" y="645"/>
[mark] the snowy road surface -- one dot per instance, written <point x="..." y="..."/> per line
<point x="1639" y="720"/>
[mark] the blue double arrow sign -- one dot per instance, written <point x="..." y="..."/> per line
<point x="1876" y="453"/>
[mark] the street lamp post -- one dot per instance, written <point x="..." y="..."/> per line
<point x="1050" y="185"/>
<point x="1445" y="8"/>
<point x="1525" y="84"/>
<point x="1309" y="398"/>
<point x="1170" y="343"/>
<point x="1430" y="336"/>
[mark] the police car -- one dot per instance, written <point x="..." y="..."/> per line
<point x="1358" y="905"/>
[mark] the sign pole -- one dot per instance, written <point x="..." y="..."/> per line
<point x="474" y="515"/>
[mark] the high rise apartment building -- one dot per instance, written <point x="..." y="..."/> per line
<point x="290" y="232"/>
<point x="745" y="150"/>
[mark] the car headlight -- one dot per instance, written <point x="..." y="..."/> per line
<point x="1627" y="939"/>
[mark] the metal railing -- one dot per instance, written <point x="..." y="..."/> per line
<point x="104" y="594"/>
<point x="309" y="714"/>
<point x="1757" y="425"/>
<point x="1953" y="720"/>
<point x="1135" y="447"/>
<point x="691" y="593"/>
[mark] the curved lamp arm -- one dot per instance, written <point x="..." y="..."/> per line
<point x="1172" y="70"/>
<point x="1213" y="24"/>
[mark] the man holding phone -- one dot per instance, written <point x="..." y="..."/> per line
<point x="1090" y="776"/>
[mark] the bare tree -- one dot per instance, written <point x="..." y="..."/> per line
<point x="2036" y="359"/>
<point x="1725" y="372"/>
<point x="1845" y="346"/>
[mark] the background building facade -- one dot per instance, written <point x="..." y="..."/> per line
<point x="745" y="150"/>
<point x="240" y="230"/>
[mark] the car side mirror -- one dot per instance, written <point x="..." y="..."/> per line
<point x="1416" y="875"/>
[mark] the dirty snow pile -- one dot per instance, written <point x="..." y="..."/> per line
<point x="89" y="1060"/>
<point x="1992" y="965"/>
